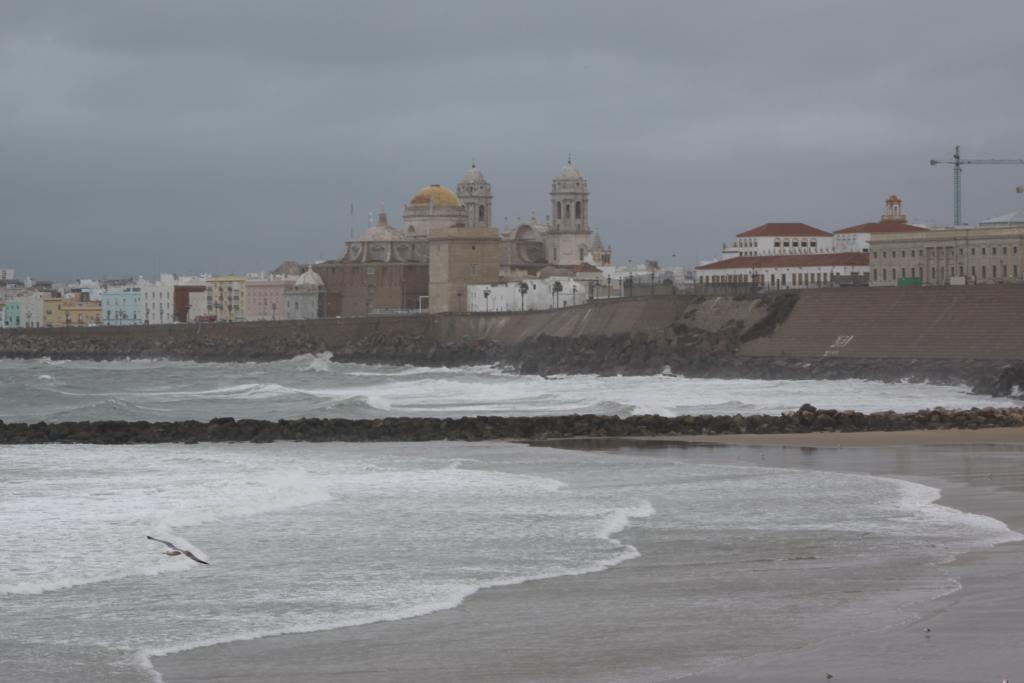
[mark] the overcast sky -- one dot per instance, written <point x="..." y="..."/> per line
<point x="223" y="136"/>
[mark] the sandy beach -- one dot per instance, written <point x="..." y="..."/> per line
<point x="508" y="633"/>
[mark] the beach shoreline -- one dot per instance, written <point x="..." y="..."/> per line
<point x="974" y="629"/>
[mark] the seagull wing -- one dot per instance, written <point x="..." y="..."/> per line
<point x="189" y="555"/>
<point x="166" y="543"/>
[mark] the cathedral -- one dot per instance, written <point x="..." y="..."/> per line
<point x="449" y="241"/>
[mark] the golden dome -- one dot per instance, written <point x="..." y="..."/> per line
<point x="438" y="195"/>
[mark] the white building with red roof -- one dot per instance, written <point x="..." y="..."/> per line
<point x="792" y="255"/>
<point x="787" y="271"/>
<point x="858" y="237"/>
<point x="780" y="238"/>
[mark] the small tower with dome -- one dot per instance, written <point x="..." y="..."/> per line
<point x="569" y="197"/>
<point x="475" y="194"/>
<point x="568" y="240"/>
<point x="894" y="210"/>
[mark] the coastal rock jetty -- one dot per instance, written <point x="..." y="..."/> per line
<point x="481" y="428"/>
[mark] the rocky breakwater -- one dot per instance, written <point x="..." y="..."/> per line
<point x="806" y="419"/>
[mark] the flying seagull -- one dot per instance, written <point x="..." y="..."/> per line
<point x="175" y="550"/>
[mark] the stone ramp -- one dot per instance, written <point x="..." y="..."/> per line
<point x="983" y="322"/>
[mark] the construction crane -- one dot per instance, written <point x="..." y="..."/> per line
<point x="957" y="162"/>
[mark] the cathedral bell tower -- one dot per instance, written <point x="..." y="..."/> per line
<point x="569" y="197"/>
<point x="474" y="193"/>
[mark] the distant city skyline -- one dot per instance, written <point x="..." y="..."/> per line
<point x="227" y="137"/>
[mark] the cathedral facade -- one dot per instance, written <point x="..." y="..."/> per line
<point x="451" y="236"/>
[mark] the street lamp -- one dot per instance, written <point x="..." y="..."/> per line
<point x="523" y="289"/>
<point x="487" y="296"/>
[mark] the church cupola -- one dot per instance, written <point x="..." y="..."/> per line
<point x="569" y="198"/>
<point x="894" y="210"/>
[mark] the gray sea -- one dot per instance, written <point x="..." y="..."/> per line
<point x="313" y="537"/>
<point x="315" y="386"/>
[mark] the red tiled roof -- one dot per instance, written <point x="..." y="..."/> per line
<point x="848" y="258"/>
<point x="881" y="228"/>
<point x="784" y="230"/>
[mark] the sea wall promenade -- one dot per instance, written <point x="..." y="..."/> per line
<point x="806" y="419"/>
<point x="969" y="335"/>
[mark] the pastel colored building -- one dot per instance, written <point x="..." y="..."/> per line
<point x="158" y="301"/>
<point x="24" y="311"/>
<point x="13" y="316"/>
<point x="71" y="312"/>
<point x="12" y="312"/>
<point x="122" y="306"/>
<point x="225" y="298"/>
<point x="265" y="299"/>
<point x="87" y="313"/>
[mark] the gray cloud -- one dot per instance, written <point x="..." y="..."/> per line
<point x="228" y="136"/>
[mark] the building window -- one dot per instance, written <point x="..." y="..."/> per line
<point x="903" y="272"/>
<point x="972" y="251"/>
<point x="983" y="251"/>
<point x="984" y="272"/>
<point x="1004" y="250"/>
<point x="558" y="210"/>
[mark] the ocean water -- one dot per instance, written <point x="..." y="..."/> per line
<point x="310" y="537"/>
<point x="314" y="386"/>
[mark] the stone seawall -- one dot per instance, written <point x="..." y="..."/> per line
<point x="950" y="335"/>
<point x="427" y="339"/>
<point x="806" y="419"/>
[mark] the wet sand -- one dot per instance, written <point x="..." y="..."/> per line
<point x="520" y="633"/>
